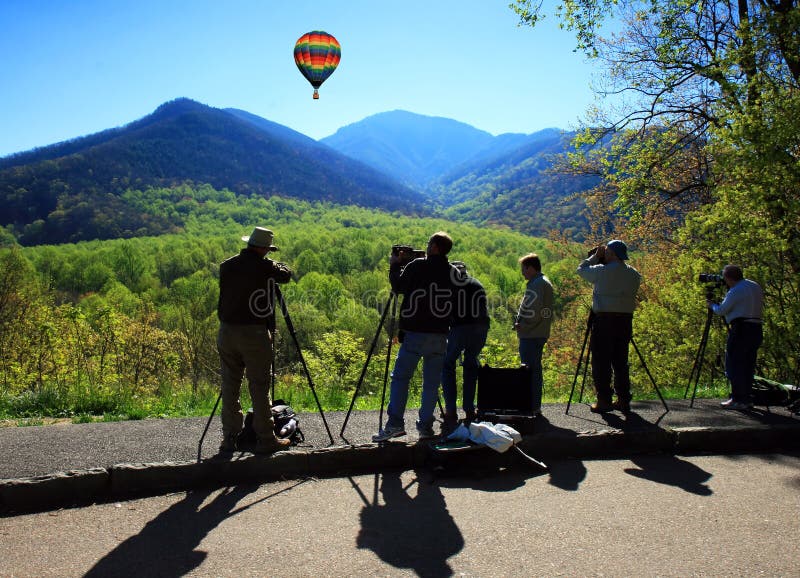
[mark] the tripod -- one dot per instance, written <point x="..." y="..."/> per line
<point x="290" y="326"/>
<point x="390" y="303"/>
<point x="699" y="357"/>
<point x="586" y="336"/>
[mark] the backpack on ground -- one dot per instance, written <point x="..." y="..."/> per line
<point x="287" y="426"/>
<point x="767" y="392"/>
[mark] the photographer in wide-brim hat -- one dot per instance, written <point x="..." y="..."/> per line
<point x="246" y="313"/>
<point x="613" y="301"/>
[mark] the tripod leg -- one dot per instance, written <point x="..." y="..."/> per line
<point x="585" y="372"/>
<point x="578" y="367"/>
<point x="272" y="376"/>
<point x="208" y="423"/>
<point x="366" y="363"/>
<point x="388" y="359"/>
<point x="701" y="353"/>
<point x="290" y="326"/>
<point x="647" y="370"/>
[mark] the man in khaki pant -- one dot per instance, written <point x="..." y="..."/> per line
<point x="246" y="312"/>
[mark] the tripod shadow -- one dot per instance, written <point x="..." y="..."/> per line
<point x="415" y="532"/>
<point x="566" y="474"/>
<point x="672" y="471"/>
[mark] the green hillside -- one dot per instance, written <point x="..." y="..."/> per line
<point x="78" y="190"/>
<point x="127" y="326"/>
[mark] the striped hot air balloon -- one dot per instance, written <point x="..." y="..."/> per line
<point x="317" y="55"/>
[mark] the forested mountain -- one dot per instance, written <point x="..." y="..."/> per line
<point x="72" y="191"/>
<point x="413" y="148"/>
<point x="470" y="174"/>
<point x="86" y="188"/>
<point x="513" y="184"/>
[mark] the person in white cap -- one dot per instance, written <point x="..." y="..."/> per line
<point x="613" y="301"/>
<point x="246" y="313"/>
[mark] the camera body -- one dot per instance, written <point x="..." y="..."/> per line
<point x="406" y="253"/>
<point x="711" y="279"/>
<point x="713" y="282"/>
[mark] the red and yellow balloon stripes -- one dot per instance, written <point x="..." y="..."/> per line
<point x="317" y="55"/>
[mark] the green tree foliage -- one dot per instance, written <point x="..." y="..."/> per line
<point x="700" y="160"/>
<point x="136" y="318"/>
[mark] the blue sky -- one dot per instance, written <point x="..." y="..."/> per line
<point x="72" y="68"/>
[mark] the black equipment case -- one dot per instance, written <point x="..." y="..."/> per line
<point x="505" y="395"/>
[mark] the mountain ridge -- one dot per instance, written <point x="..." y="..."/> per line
<point x="393" y="161"/>
<point x="182" y="141"/>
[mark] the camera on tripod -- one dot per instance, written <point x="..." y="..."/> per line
<point x="406" y="253"/>
<point x="712" y="281"/>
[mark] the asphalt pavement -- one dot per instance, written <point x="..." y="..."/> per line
<point x="45" y="467"/>
<point x="647" y="515"/>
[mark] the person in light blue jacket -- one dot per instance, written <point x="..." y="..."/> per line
<point x="742" y="308"/>
<point x="613" y="301"/>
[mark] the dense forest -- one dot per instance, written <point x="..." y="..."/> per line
<point x="128" y="326"/>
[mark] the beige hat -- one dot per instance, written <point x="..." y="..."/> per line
<point x="261" y="237"/>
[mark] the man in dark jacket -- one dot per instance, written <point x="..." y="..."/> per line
<point x="246" y="313"/>
<point x="468" y="330"/>
<point x="427" y="288"/>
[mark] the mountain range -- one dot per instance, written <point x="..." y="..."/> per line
<point x="395" y="161"/>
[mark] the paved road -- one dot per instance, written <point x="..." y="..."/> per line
<point x="655" y="515"/>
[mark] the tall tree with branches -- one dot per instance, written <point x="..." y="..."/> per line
<point x="699" y="149"/>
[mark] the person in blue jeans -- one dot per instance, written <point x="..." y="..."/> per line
<point x="468" y="329"/>
<point x="427" y="287"/>
<point x="533" y="322"/>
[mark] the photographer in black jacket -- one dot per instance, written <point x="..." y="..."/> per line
<point x="469" y="327"/>
<point x="246" y="312"/>
<point x="428" y="290"/>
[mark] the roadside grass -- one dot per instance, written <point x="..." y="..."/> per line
<point x="50" y="405"/>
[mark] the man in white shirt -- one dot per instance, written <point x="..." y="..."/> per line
<point x="742" y="308"/>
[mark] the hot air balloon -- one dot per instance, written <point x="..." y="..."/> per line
<point x="317" y="55"/>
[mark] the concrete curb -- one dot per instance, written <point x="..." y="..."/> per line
<point x="123" y="481"/>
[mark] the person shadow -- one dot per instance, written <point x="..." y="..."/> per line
<point x="672" y="471"/>
<point x="664" y="468"/>
<point x="410" y="530"/>
<point x="167" y="544"/>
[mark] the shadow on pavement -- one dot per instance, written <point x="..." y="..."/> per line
<point x="166" y="545"/>
<point x="630" y="421"/>
<point x="567" y="474"/>
<point x="409" y="530"/>
<point x="672" y="471"/>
